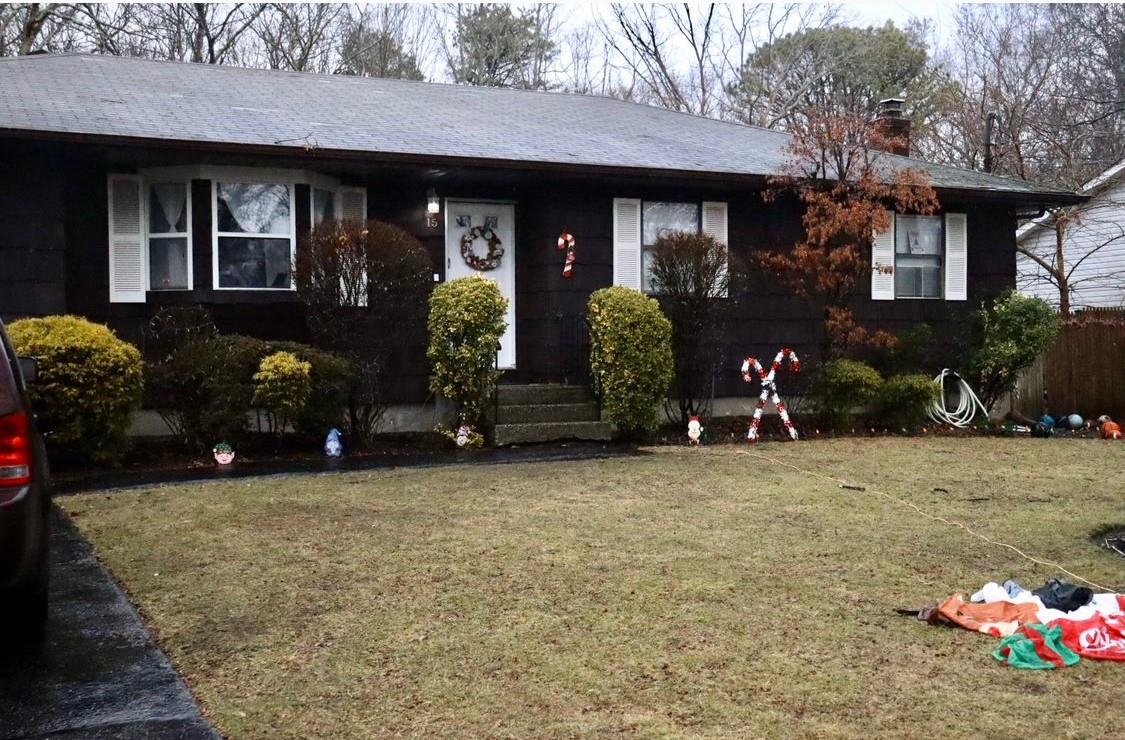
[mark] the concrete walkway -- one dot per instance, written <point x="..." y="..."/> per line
<point x="97" y="673"/>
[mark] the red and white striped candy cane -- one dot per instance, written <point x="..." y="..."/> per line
<point x="566" y="241"/>
<point x="769" y="390"/>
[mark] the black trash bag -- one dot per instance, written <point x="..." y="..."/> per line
<point x="1065" y="597"/>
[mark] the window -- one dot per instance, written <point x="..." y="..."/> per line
<point x="323" y="206"/>
<point x="169" y="237"/>
<point x="253" y="235"/>
<point x="658" y="219"/>
<point x="919" y="245"/>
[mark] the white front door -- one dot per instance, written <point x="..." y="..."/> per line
<point x="461" y="216"/>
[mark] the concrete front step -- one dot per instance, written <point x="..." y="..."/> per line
<point x="538" y="413"/>
<point x="542" y="393"/>
<point x="509" y="434"/>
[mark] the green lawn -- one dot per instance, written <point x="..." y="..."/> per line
<point x="685" y="592"/>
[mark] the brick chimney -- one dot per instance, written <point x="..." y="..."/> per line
<point x="890" y="116"/>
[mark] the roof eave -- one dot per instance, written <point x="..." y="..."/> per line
<point x="1038" y="199"/>
<point x="1031" y="199"/>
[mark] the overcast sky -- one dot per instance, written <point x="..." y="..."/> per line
<point x="940" y="12"/>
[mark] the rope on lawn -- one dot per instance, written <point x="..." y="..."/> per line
<point x="935" y="517"/>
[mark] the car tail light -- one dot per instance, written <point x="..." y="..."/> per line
<point x="15" y="450"/>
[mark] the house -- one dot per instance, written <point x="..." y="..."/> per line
<point x="1093" y="247"/>
<point x="133" y="184"/>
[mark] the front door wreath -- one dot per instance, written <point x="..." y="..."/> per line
<point x="491" y="260"/>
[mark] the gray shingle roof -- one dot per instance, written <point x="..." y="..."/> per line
<point x="118" y="96"/>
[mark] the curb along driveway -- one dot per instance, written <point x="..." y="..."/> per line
<point x="97" y="673"/>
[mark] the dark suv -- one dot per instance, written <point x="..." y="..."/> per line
<point x="24" y="497"/>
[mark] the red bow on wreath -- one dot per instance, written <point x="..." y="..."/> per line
<point x="566" y="241"/>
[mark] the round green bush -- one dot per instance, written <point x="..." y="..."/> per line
<point x="903" y="399"/>
<point x="845" y="384"/>
<point x="1012" y="331"/>
<point x="282" y="387"/>
<point x="630" y="356"/>
<point x="88" y="387"/>
<point x="465" y="325"/>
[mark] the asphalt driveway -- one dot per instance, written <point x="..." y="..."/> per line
<point x="97" y="673"/>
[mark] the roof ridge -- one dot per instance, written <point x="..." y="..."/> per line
<point x="45" y="55"/>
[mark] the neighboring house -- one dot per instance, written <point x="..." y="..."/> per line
<point x="1093" y="247"/>
<point x="133" y="184"/>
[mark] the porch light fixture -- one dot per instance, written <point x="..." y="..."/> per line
<point x="433" y="205"/>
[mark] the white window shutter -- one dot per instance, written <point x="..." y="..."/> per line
<point x="627" y="242"/>
<point x="883" y="263"/>
<point x="956" y="257"/>
<point x="126" y="239"/>
<point x="715" y="226"/>
<point x="353" y="204"/>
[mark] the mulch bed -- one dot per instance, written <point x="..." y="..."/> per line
<point x="732" y="429"/>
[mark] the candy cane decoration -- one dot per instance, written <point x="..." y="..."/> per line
<point x="566" y="241"/>
<point x="769" y="390"/>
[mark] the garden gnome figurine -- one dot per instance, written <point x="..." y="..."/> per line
<point x="332" y="446"/>
<point x="463" y="433"/>
<point x="224" y="453"/>
<point x="694" y="430"/>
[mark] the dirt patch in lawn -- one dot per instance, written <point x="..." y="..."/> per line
<point x="1111" y="538"/>
<point x="686" y="592"/>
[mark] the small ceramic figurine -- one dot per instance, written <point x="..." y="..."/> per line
<point x="332" y="446"/>
<point x="224" y="453"/>
<point x="694" y="430"/>
<point x="463" y="433"/>
<point x="1109" y="428"/>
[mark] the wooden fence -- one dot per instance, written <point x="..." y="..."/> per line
<point x="1083" y="371"/>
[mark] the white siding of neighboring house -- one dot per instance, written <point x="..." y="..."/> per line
<point x="1100" y="279"/>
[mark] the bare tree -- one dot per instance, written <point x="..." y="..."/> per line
<point x="1062" y="244"/>
<point x="30" y="27"/>
<point x="197" y="32"/>
<point x="762" y="25"/>
<point x="645" y="38"/>
<point x="388" y="40"/>
<point x="585" y="66"/>
<point x="1051" y="79"/>
<point x="110" y="28"/>
<point x="299" y="36"/>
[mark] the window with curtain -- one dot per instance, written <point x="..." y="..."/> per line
<point x="169" y="243"/>
<point x="254" y="235"/>
<point x="657" y="219"/>
<point x="323" y="206"/>
<point x="919" y="246"/>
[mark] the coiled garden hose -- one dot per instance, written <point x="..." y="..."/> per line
<point x="968" y="405"/>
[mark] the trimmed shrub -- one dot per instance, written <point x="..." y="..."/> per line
<point x="465" y="325"/>
<point x="88" y="387"/>
<point x="1011" y="332"/>
<point x="845" y="384"/>
<point x="364" y="285"/>
<point x="903" y="399"/>
<point x="911" y="352"/>
<point x="205" y="389"/>
<point x="690" y="276"/>
<point x="171" y="327"/>
<point x="630" y="356"/>
<point x="282" y="387"/>
<point x="333" y="378"/>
